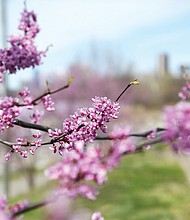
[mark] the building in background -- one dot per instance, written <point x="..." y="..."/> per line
<point x="163" y="65"/>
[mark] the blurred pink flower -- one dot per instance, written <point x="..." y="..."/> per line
<point x="177" y="124"/>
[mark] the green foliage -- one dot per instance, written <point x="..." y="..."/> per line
<point x="143" y="187"/>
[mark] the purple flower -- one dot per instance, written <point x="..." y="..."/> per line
<point x="177" y="124"/>
<point x="184" y="94"/>
<point x="97" y="216"/>
<point x="77" y="170"/>
<point x="85" y="123"/>
<point x="19" y="206"/>
<point x="22" y="52"/>
<point x="35" y="117"/>
<point x="3" y="212"/>
<point x="8" y="112"/>
<point x="48" y="103"/>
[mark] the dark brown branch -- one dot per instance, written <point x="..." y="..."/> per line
<point x="42" y="128"/>
<point x="135" y="82"/>
<point x="34" y="102"/>
<point x="144" y="134"/>
<point x="140" y="146"/>
<point x="49" y="92"/>
<point x="25" y="124"/>
<point x="31" y="208"/>
<point x="6" y="143"/>
<point x="63" y="136"/>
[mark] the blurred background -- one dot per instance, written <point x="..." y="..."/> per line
<point x="105" y="44"/>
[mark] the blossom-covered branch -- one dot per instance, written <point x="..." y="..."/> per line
<point x="11" y="108"/>
<point x="22" y="52"/>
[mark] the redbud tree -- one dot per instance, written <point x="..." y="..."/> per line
<point x="83" y="165"/>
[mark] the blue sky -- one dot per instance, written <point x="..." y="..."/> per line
<point x="132" y="32"/>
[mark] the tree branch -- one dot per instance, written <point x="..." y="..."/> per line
<point x="139" y="149"/>
<point x="156" y="140"/>
<point x="25" y="124"/>
<point x="49" y="92"/>
<point x="31" y="207"/>
<point x="143" y="134"/>
<point x="63" y="136"/>
<point x="34" y="102"/>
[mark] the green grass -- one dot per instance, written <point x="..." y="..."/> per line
<point x="35" y="196"/>
<point x="144" y="187"/>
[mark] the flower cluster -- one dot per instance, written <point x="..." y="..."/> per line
<point x="119" y="133"/>
<point x="81" y="167"/>
<point x="121" y="145"/>
<point x="19" y="206"/>
<point x="48" y="103"/>
<point x="11" y="108"/>
<point x="97" y="216"/>
<point x="21" y="146"/>
<point x="3" y="204"/>
<point x="7" y="211"/>
<point x="76" y="169"/>
<point x="84" y="124"/>
<point x="177" y="124"/>
<point x="8" y="112"/>
<point x="184" y="94"/>
<point x="22" y="52"/>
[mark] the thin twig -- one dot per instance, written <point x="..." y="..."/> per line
<point x="139" y="147"/>
<point x="135" y="82"/>
<point x="144" y="134"/>
<point x="49" y="92"/>
<point x="34" y="102"/>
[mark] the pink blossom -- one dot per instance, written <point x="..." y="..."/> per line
<point x="7" y="156"/>
<point x="121" y="145"/>
<point x="37" y="135"/>
<point x="184" y="94"/>
<point x="97" y="216"/>
<point x="84" y="124"/>
<point x="118" y="149"/>
<point x="19" y="206"/>
<point x="24" y="153"/>
<point x="55" y="133"/>
<point x="3" y="212"/>
<point x="25" y="92"/>
<point x="35" y="117"/>
<point x="3" y="203"/>
<point x="22" y="52"/>
<point x="177" y="124"/>
<point x="119" y="132"/>
<point x="48" y="103"/>
<point x="16" y="147"/>
<point x="8" y="112"/>
<point x="4" y="216"/>
<point x="77" y="166"/>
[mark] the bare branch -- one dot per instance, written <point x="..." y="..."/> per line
<point x="139" y="147"/>
<point x="144" y="134"/>
<point x="135" y="82"/>
<point x="25" y="124"/>
<point x="34" y="102"/>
